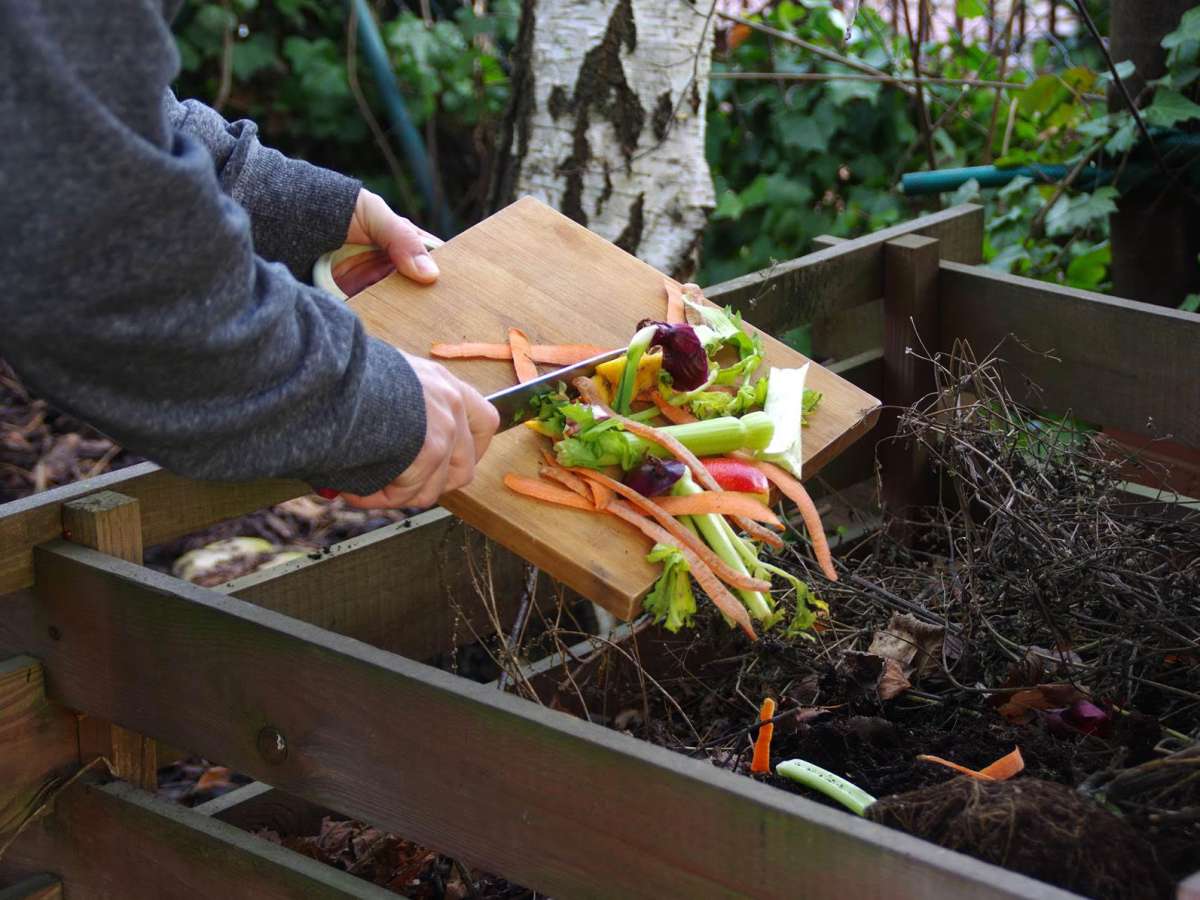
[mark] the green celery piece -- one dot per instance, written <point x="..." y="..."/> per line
<point x="719" y="535"/>
<point x="671" y="601"/>
<point x="604" y="444"/>
<point x="633" y="357"/>
<point x="833" y="786"/>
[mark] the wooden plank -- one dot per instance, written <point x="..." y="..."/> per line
<point x="910" y="340"/>
<point x="407" y="587"/>
<point x="171" y="506"/>
<point x="114" y="841"/>
<point x="556" y="804"/>
<point x="112" y="523"/>
<point x="1116" y="362"/>
<point x="857" y="463"/>
<point x="531" y="267"/>
<point x="36" y="887"/>
<point x="38" y="742"/>
<point x="845" y="274"/>
<point x="850" y="327"/>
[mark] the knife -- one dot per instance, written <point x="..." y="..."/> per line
<point x="512" y="403"/>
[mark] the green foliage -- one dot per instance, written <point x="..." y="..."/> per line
<point x="288" y="72"/>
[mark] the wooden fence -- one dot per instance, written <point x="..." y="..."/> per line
<point x="305" y="676"/>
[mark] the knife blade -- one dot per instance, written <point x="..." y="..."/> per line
<point x="513" y="403"/>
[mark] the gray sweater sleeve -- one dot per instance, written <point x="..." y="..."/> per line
<point x="133" y="296"/>
<point x="297" y="211"/>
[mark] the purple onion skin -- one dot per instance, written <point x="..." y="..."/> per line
<point x="683" y="354"/>
<point x="1087" y="717"/>
<point x="1081" y="717"/>
<point x="655" y="477"/>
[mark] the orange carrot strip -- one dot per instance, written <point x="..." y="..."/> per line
<point x="725" y="504"/>
<point x="568" y="480"/>
<point x="471" y="350"/>
<point x="678" y="532"/>
<point x="709" y="583"/>
<point x="522" y="360"/>
<point x="676" y="415"/>
<point x="675" y="311"/>
<point x="546" y="354"/>
<point x="549" y="493"/>
<point x="1001" y="770"/>
<point x="762" y="745"/>
<point x="794" y="491"/>
<point x="681" y="453"/>
<point x="1006" y="766"/>
<point x="601" y="494"/>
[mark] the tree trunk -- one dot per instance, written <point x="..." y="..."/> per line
<point x="1155" y="240"/>
<point x="607" y="122"/>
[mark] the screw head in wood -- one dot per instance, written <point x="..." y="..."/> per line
<point x="272" y="745"/>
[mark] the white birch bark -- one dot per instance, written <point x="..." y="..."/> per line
<point x="615" y="133"/>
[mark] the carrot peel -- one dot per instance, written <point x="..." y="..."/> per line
<point x="1001" y="770"/>
<point x="761" y="762"/>
<point x="522" y="357"/>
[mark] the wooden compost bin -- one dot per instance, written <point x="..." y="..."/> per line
<point x="306" y="676"/>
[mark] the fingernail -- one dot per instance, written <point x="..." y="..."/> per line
<point x="425" y="264"/>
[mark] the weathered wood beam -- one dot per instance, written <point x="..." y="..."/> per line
<point x="114" y="840"/>
<point x="39" y="745"/>
<point x="843" y="275"/>
<point x="112" y="523"/>
<point x="1105" y="360"/>
<point x="408" y="748"/>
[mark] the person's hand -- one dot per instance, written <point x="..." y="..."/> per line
<point x="401" y="247"/>
<point x="459" y="424"/>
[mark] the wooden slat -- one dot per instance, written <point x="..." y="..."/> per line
<point x="911" y="338"/>
<point x="531" y="267"/>
<point x="115" y="841"/>
<point x="551" y="802"/>
<point x="393" y="587"/>
<point x="38" y="741"/>
<point x="843" y="275"/>
<point x="36" y="887"/>
<point x="857" y="463"/>
<point x="1118" y="362"/>
<point x="171" y="506"/>
<point x="112" y="523"/>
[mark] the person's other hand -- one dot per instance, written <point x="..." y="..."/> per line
<point x="401" y="247"/>
<point x="459" y="424"/>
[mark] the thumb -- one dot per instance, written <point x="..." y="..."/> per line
<point x="402" y="242"/>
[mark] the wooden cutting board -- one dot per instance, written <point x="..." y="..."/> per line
<point x="531" y="267"/>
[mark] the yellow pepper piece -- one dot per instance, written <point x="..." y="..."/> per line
<point x="647" y="375"/>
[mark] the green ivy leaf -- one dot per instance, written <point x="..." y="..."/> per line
<point x="1069" y="215"/>
<point x="1088" y="270"/>
<point x="1191" y="303"/>
<point x="729" y="206"/>
<point x="970" y="9"/>
<point x="253" y="55"/>
<point x="1170" y="108"/>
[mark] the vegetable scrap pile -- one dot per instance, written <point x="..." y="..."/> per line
<point x="682" y="439"/>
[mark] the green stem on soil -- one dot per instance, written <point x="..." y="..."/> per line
<point x="832" y="786"/>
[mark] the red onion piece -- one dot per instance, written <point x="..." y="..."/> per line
<point x="655" y="477"/>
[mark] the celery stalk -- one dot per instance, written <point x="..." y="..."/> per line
<point x="711" y="437"/>
<point x="785" y="406"/>
<point x="832" y="786"/>
<point x="720" y="537"/>
<point x="633" y="356"/>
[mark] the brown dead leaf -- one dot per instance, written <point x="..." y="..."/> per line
<point x="914" y="645"/>
<point x="892" y="682"/>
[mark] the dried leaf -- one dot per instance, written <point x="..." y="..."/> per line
<point x="915" y="645"/>
<point x="892" y="682"/>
